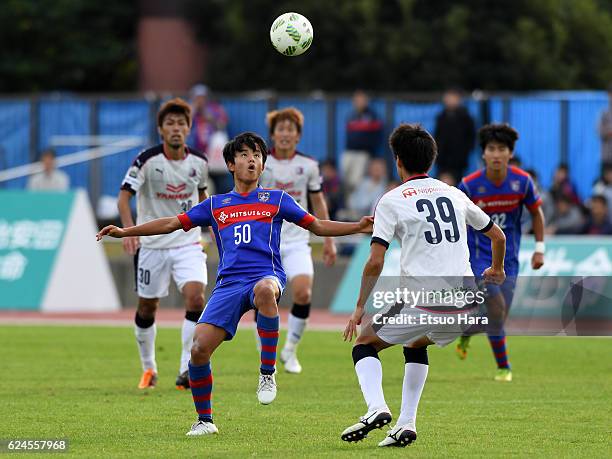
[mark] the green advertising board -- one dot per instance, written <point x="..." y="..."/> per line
<point x="565" y="257"/>
<point x="32" y="227"/>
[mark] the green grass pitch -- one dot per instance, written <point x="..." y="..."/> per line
<point x="80" y="383"/>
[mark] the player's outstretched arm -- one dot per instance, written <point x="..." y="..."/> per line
<point x="496" y="273"/>
<point x="371" y="273"/>
<point x="537" y="220"/>
<point x="159" y="226"/>
<point x="334" y="228"/>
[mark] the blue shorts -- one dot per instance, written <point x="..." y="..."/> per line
<point x="506" y="290"/>
<point x="229" y="301"/>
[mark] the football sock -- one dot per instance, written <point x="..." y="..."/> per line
<point x="145" y="331"/>
<point x="415" y="374"/>
<point x="187" y="331"/>
<point x="298" y="318"/>
<point x="498" y="345"/>
<point x="369" y="374"/>
<point x="201" y="383"/>
<point x="267" y="329"/>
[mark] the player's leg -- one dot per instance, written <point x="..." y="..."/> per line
<point x="301" y="286"/>
<point x="369" y="374"/>
<point x="152" y="281"/>
<point x="265" y="295"/>
<point x="207" y="338"/>
<point x="498" y="308"/>
<point x="145" y="331"/>
<point x="189" y="272"/>
<point x="416" y="368"/>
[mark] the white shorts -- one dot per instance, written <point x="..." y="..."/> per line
<point x="153" y="268"/>
<point x="406" y="325"/>
<point x="297" y="259"/>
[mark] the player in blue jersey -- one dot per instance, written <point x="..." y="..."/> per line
<point x="501" y="191"/>
<point x="247" y="225"/>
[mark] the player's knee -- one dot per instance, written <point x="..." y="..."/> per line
<point x="416" y="355"/>
<point x="265" y="293"/>
<point x="201" y="350"/>
<point x="147" y="308"/>
<point x="195" y="302"/>
<point x="361" y="351"/>
<point x="303" y="296"/>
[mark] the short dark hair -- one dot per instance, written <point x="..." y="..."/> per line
<point x="601" y="198"/>
<point x="414" y="146"/>
<point x="176" y="106"/>
<point x="249" y="139"/>
<point x="501" y="132"/>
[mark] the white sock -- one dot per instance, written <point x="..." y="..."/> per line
<point x="369" y="374"/>
<point x="187" y="339"/>
<point x="295" y="330"/>
<point x="415" y="375"/>
<point x="145" y="337"/>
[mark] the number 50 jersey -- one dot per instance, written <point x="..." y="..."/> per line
<point x="430" y="220"/>
<point x="164" y="188"/>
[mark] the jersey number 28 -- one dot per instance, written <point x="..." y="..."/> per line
<point x="446" y="212"/>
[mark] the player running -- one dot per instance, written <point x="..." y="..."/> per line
<point x="166" y="179"/>
<point x="298" y="175"/>
<point x="429" y="218"/>
<point x="501" y="191"/>
<point x="247" y="227"/>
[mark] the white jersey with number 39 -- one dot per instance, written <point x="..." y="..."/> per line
<point x="429" y="219"/>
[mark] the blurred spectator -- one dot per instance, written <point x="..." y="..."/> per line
<point x="515" y="161"/>
<point x="598" y="220"/>
<point x="567" y="218"/>
<point x="605" y="131"/>
<point x="603" y="186"/>
<point x="448" y="178"/>
<point x="51" y="178"/>
<point x="562" y="185"/>
<point x="209" y="135"/>
<point x="455" y="134"/>
<point x="332" y="188"/>
<point x="363" y="199"/>
<point x="363" y="135"/>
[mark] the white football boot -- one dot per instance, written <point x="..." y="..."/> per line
<point x="202" y="428"/>
<point x="266" y="391"/>
<point x="289" y="359"/>
<point x="400" y="436"/>
<point x="368" y="422"/>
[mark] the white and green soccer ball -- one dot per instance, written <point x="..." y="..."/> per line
<point x="291" y="34"/>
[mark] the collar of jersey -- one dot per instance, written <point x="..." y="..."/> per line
<point x="273" y="153"/>
<point x="245" y="194"/>
<point x="416" y="177"/>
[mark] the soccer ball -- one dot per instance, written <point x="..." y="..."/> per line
<point x="291" y="34"/>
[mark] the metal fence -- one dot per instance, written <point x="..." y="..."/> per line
<point x="554" y="127"/>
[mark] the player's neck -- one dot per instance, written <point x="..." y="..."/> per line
<point x="280" y="153"/>
<point x="405" y="175"/>
<point x="497" y="176"/>
<point x="241" y="187"/>
<point x="174" y="153"/>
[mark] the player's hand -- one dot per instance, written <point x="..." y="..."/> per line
<point x="110" y="230"/>
<point x="130" y="244"/>
<point x="366" y="224"/>
<point x="329" y="252"/>
<point x="494" y="276"/>
<point x="351" y="327"/>
<point x="537" y="260"/>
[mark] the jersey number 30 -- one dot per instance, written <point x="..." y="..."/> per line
<point x="446" y="212"/>
<point x="242" y="233"/>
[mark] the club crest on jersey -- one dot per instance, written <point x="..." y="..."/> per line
<point x="482" y="189"/>
<point x="515" y="185"/>
<point x="192" y="173"/>
<point x="299" y="170"/>
<point x="409" y="192"/>
<point x="223" y="216"/>
<point x="226" y="200"/>
<point x="263" y="196"/>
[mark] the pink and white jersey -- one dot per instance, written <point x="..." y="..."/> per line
<point x="165" y="188"/>
<point x="297" y="176"/>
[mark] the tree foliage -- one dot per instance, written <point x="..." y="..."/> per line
<point x="78" y="45"/>
<point x="409" y="45"/>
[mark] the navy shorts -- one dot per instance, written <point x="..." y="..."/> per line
<point x="229" y="301"/>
